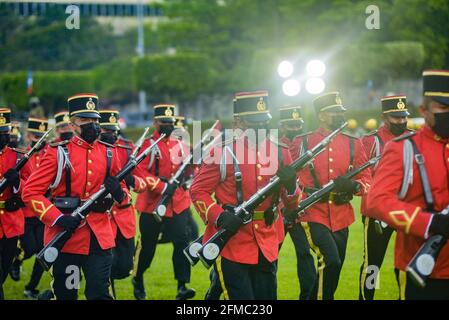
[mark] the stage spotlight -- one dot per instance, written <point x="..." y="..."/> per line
<point x="315" y="68"/>
<point x="315" y="85"/>
<point x="285" y="69"/>
<point x="291" y="87"/>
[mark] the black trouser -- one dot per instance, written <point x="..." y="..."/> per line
<point x="248" y="281"/>
<point x="375" y="247"/>
<point x="175" y="229"/>
<point x="96" y="267"/>
<point x="32" y="241"/>
<point x="214" y="292"/>
<point x="123" y="254"/>
<point x="330" y="248"/>
<point x="435" y="289"/>
<point x="305" y="264"/>
<point x="8" y="248"/>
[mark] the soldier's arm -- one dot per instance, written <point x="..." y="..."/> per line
<point x="291" y="201"/>
<point x="383" y="203"/>
<point x="152" y="183"/>
<point x="364" y="177"/>
<point x="37" y="185"/>
<point x="201" y="190"/>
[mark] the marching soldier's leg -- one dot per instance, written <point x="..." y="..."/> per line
<point x="38" y="271"/>
<point x="145" y="250"/>
<point x="7" y="253"/>
<point x="375" y="247"/>
<point x="177" y="229"/>
<point x="235" y="279"/>
<point x="329" y="264"/>
<point x="63" y="268"/>
<point x="123" y="254"/>
<point x="435" y="289"/>
<point x="264" y="281"/>
<point x="304" y="261"/>
<point x="97" y="271"/>
<point x="341" y="241"/>
<point x="214" y="292"/>
<point x="15" y="270"/>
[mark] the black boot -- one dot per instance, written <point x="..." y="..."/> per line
<point x="15" y="269"/>
<point x="184" y="293"/>
<point x="139" y="289"/>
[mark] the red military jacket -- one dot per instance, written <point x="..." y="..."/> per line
<point x="207" y="187"/>
<point x="333" y="162"/>
<point x="370" y="145"/>
<point x="87" y="176"/>
<point x="12" y="224"/>
<point x="408" y="215"/>
<point x="32" y="164"/>
<point x="170" y="159"/>
<point x="124" y="218"/>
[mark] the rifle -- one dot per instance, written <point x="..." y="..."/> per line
<point x="161" y="207"/>
<point x="47" y="256"/>
<point x="140" y="142"/>
<point x="212" y="248"/>
<point x="328" y="187"/>
<point x="423" y="263"/>
<point x="25" y="158"/>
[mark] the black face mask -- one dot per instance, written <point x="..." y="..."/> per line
<point x="398" y="128"/>
<point x="13" y="144"/>
<point x="4" y="140"/>
<point x="293" y="133"/>
<point x="337" y="121"/>
<point x="108" y="137"/>
<point x="441" y="126"/>
<point x="66" y="135"/>
<point x="167" y="129"/>
<point x="90" y="132"/>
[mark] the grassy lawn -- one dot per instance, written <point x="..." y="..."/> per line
<point x="161" y="285"/>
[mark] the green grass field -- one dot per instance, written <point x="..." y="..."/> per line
<point x="161" y="285"/>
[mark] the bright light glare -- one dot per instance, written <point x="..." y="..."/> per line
<point x="285" y="69"/>
<point x="315" y="85"/>
<point x="291" y="87"/>
<point x="316" y="68"/>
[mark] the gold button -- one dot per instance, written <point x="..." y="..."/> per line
<point x="114" y="212"/>
<point x="331" y="171"/>
<point x="87" y="193"/>
<point x="2" y="212"/>
<point x="330" y="159"/>
<point x="90" y="161"/>
<point x="259" y="165"/>
<point x="37" y="157"/>
<point x="256" y="226"/>
<point x="89" y="151"/>
<point x="259" y="178"/>
<point x="88" y="183"/>
<point x="37" y="165"/>
<point x="89" y="172"/>
<point x="80" y="143"/>
<point x="330" y="149"/>
<point x="1" y="194"/>
<point x="330" y="202"/>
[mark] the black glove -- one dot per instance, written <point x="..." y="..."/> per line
<point x="170" y="189"/>
<point x="290" y="216"/>
<point x="439" y="224"/>
<point x="113" y="186"/>
<point x="287" y="176"/>
<point x="13" y="178"/>
<point x="345" y="185"/>
<point x="130" y="181"/>
<point x="68" y="223"/>
<point x="229" y="221"/>
<point x="343" y="198"/>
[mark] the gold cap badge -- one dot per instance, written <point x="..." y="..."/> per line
<point x="2" y="119"/>
<point x="338" y="100"/>
<point x="42" y="127"/>
<point x="261" y="106"/>
<point x="66" y="118"/>
<point x="295" y="115"/>
<point x="112" y="118"/>
<point x="90" y="104"/>
<point x="168" y="112"/>
<point x="400" y="105"/>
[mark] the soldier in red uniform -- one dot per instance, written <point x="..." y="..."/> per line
<point x="326" y="223"/>
<point x="32" y="240"/>
<point x="377" y="234"/>
<point x="247" y="265"/>
<point x="409" y="200"/>
<point x="11" y="215"/>
<point x="123" y="218"/>
<point x="156" y="170"/>
<point x="62" y="126"/>
<point x="82" y="166"/>
<point x="291" y="127"/>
